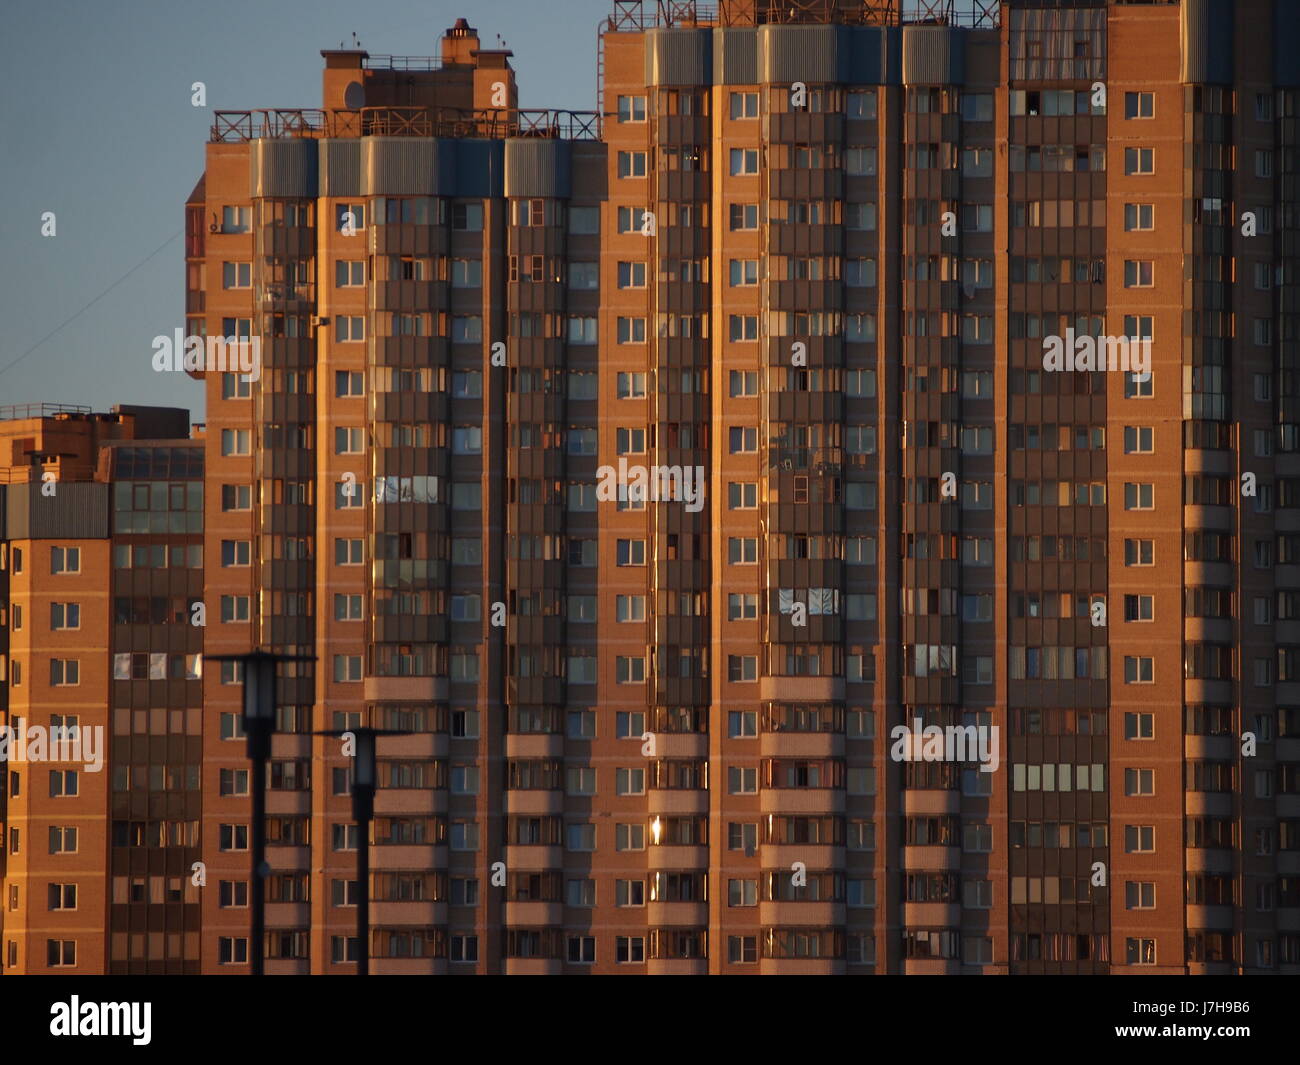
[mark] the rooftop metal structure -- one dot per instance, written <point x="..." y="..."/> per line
<point x="414" y="63"/>
<point x="15" y="411"/>
<point x="637" y="15"/>
<point x="239" y="126"/>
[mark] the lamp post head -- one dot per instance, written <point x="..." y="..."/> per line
<point x="365" y="769"/>
<point x="259" y="668"/>
<point x="259" y="688"/>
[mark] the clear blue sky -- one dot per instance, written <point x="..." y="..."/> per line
<point x="96" y="125"/>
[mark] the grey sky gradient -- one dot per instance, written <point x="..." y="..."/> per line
<point x="96" y="125"/>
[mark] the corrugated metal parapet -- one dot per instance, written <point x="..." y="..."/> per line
<point x="933" y="55"/>
<point x="788" y="54"/>
<point x="278" y="167"/>
<point x="678" y="56"/>
<point x="538" y="168"/>
<point x="854" y="55"/>
<point x="77" y="511"/>
<point x="400" y="166"/>
<point x="1205" y="34"/>
<point x="340" y="167"/>
<point x="735" y="57"/>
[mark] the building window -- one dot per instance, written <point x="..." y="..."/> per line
<point x="860" y="161"/>
<point x="232" y="950"/>
<point x="1139" y="161"/>
<point x="742" y="669"/>
<point x="1139" y="216"/>
<point x="1140" y="951"/>
<point x="743" y="216"/>
<point x="467" y="217"/>
<point x="1138" y="439"/>
<point x="350" y="273"/>
<point x="1139" y="496"/>
<point x="65" y="672"/>
<point x="630" y="386"/>
<point x="742" y="327"/>
<point x="1139" y="273"/>
<point x="742" y="780"/>
<point x="743" y="439"/>
<point x="631" y="330"/>
<point x="1139" y="782"/>
<point x="235" y="442"/>
<point x="743" y="272"/>
<point x="1139" y="607"/>
<point x="631" y="109"/>
<point x="235" y="608"/>
<point x="1139" y="386"/>
<point x="234" y="782"/>
<point x="581" y="331"/>
<point x="350" y="217"/>
<point x="63" y="783"/>
<point x="744" y="105"/>
<point x="1139" y="105"/>
<point x="235" y="219"/>
<point x="347" y="668"/>
<point x="631" y="275"/>
<point x="1139" y="552"/>
<point x="236" y="552"/>
<point x="61" y="953"/>
<point x="744" y="162"/>
<point x="65" y="616"/>
<point x="64" y="560"/>
<point x="62" y="840"/>
<point x="1139" y="669"/>
<point x="629" y="669"/>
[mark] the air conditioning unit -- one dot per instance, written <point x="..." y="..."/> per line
<point x="317" y="320"/>
<point x="215" y="227"/>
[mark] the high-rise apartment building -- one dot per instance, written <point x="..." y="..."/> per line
<point x="830" y="510"/>
<point x="100" y="569"/>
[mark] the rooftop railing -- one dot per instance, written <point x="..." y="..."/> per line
<point x="633" y="16"/>
<point x="15" y="411"/>
<point x="420" y="63"/>
<point x="239" y="126"/>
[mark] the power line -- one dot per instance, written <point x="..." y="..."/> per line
<point x="68" y="321"/>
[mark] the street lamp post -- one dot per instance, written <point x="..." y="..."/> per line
<point x="364" y="772"/>
<point x="259" y="724"/>
<point x="364" y="783"/>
